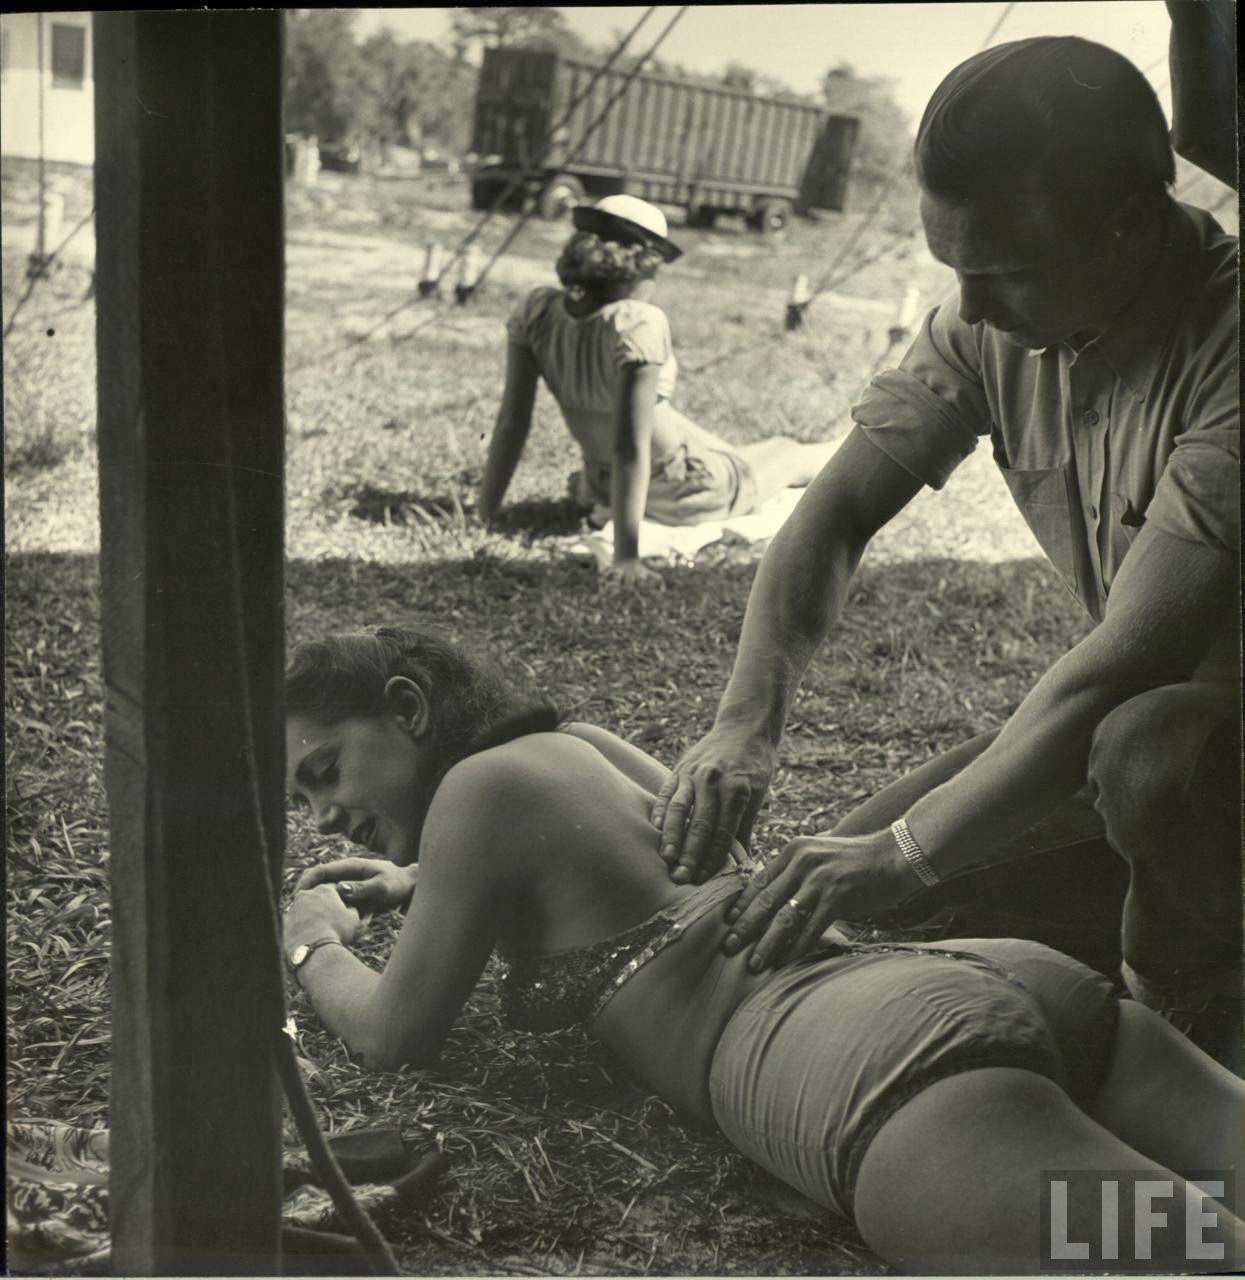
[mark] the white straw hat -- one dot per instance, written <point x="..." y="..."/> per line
<point x="631" y="217"/>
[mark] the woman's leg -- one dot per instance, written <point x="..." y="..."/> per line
<point x="780" y="463"/>
<point x="1151" y="1066"/>
<point x="953" y="1180"/>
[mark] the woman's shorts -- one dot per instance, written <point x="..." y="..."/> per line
<point x="691" y="487"/>
<point x="813" y="1063"/>
<point x="703" y="479"/>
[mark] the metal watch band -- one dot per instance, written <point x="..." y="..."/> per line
<point x="304" y="951"/>
<point x="913" y="854"/>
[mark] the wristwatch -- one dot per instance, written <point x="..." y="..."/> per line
<point x="302" y="953"/>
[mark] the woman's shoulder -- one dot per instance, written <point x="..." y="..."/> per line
<point x="535" y="306"/>
<point x="635" y="311"/>
<point x="532" y="773"/>
<point x="641" y="330"/>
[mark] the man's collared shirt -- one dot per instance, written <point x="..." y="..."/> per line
<point x="1141" y="424"/>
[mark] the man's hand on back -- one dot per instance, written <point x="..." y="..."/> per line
<point x="711" y="798"/>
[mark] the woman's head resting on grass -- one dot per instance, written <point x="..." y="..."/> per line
<point x="375" y="719"/>
<point x="618" y="245"/>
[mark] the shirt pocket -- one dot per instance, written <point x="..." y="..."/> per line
<point x="1044" y="499"/>
<point x="1130" y="518"/>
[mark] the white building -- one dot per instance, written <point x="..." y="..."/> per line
<point x="47" y="86"/>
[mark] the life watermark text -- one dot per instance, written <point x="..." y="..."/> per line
<point x="1120" y="1220"/>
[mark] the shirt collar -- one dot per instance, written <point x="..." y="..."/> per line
<point x="1131" y="345"/>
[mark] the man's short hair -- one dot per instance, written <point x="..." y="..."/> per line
<point x="1057" y="112"/>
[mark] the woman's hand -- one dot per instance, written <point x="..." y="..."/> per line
<point x="319" y="913"/>
<point x="793" y="898"/>
<point x="631" y="573"/>
<point x="370" y="885"/>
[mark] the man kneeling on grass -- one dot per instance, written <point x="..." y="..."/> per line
<point x="1094" y="340"/>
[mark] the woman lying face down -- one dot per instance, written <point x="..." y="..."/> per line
<point x="917" y="1090"/>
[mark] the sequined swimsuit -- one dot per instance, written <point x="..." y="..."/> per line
<point x="557" y="989"/>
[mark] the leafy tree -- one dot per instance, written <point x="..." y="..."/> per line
<point x="884" y="143"/>
<point x="739" y="76"/>
<point x="324" y="89"/>
<point x="383" y="91"/>
<point x="445" y="91"/>
<point x="515" y="26"/>
<point x="393" y="87"/>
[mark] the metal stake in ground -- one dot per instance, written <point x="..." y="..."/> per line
<point x="468" y="275"/>
<point x="801" y="296"/>
<point x="431" y="278"/>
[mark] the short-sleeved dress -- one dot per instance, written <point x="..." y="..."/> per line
<point x="695" y="476"/>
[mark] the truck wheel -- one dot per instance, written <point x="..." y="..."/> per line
<point x="560" y="196"/>
<point x="701" y="216"/>
<point x="771" y="217"/>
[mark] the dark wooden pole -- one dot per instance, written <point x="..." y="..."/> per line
<point x="190" y="294"/>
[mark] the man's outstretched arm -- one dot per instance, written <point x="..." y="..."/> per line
<point x="1171" y="598"/>
<point x="715" y="790"/>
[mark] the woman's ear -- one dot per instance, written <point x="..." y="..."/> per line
<point x="408" y="703"/>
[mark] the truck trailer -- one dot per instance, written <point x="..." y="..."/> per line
<point x="709" y="148"/>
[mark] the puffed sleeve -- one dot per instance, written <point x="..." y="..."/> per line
<point x="519" y="322"/>
<point x="641" y="334"/>
<point x="927" y="414"/>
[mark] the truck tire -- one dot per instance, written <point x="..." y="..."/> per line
<point x="701" y="216"/>
<point x="771" y="217"/>
<point x="559" y="196"/>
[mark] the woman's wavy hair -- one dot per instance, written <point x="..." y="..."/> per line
<point x="473" y="706"/>
<point x="587" y="260"/>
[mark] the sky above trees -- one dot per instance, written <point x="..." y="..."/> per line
<point x="912" y="44"/>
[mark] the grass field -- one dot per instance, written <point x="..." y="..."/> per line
<point x="560" y="1164"/>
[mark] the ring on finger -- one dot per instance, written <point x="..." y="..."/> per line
<point x="798" y="907"/>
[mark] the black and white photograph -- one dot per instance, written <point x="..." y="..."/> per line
<point x="623" y="640"/>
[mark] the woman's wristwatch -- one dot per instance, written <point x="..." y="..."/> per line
<point x="303" y="952"/>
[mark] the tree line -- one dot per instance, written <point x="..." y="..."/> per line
<point x="382" y="90"/>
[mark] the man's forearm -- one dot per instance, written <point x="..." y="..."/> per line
<point x="1169" y="600"/>
<point x="796" y="598"/>
<point x="1040" y="758"/>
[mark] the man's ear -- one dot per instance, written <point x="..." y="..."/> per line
<point x="408" y="703"/>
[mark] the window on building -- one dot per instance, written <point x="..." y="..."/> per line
<point x="68" y="56"/>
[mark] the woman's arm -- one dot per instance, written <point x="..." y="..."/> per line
<point x="514" y="421"/>
<point x="403" y="1014"/>
<point x="635" y="415"/>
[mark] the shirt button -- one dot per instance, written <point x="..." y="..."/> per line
<point x="1090" y="417"/>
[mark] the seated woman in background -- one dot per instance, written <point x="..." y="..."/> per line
<point x="604" y="351"/>
<point x="916" y="1089"/>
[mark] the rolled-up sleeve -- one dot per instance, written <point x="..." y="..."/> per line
<point x="1198" y="496"/>
<point x="927" y="414"/>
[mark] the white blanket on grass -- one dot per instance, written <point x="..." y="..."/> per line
<point x="685" y="540"/>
